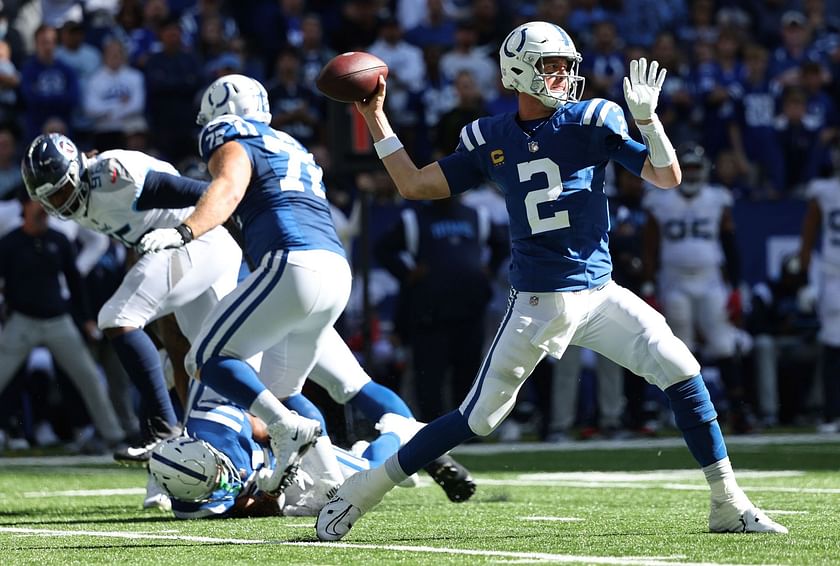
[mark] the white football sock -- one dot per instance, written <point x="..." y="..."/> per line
<point x="721" y="479"/>
<point x="269" y="408"/>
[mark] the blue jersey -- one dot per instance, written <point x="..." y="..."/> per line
<point x="553" y="184"/>
<point x="285" y="206"/>
<point x="226" y="427"/>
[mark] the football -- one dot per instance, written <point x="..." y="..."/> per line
<point x="351" y="76"/>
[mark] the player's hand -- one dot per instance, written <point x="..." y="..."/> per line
<point x="641" y="88"/>
<point x="374" y="104"/>
<point x="161" y="239"/>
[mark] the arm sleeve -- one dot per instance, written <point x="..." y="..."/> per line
<point x="619" y="145"/>
<point x="631" y="155"/>
<point x="164" y="190"/>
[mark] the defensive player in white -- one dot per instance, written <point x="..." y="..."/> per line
<point x="272" y="189"/>
<point x="823" y="215"/>
<point x="114" y="193"/>
<point x="689" y="239"/>
<point x="549" y="160"/>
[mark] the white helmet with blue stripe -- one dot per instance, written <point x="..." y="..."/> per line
<point x="190" y="469"/>
<point x="521" y="62"/>
<point x="234" y="94"/>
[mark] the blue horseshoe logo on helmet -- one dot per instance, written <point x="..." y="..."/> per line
<point x="507" y="51"/>
<point x="223" y="101"/>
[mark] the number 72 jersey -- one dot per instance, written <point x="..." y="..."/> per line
<point x="553" y="183"/>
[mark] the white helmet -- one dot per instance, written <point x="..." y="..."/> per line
<point x="521" y="62"/>
<point x="234" y="94"/>
<point x="190" y="469"/>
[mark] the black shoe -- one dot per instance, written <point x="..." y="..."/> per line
<point x="452" y="477"/>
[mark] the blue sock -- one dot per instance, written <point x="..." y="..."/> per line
<point x="139" y="357"/>
<point x="374" y="400"/>
<point x="434" y="440"/>
<point x="696" y="418"/>
<point x="382" y="448"/>
<point x="232" y="378"/>
<point x="306" y="408"/>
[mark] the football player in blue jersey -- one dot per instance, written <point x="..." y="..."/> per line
<point x="549" y="160"/>
<point x="270" y="187"/>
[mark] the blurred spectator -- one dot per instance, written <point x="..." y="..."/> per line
<point x="11" y="37"/>
<point x="210" y="42"/>
<point x="784" y="326"/>
<point x="796" y="49"/>
<point x="173" y="77"/>
<point x="435" y="28"/>
<point x="701" y="25"/>
<point x="502" y="100"/>
<point x="582" y="21"/>
<point x="752" y="132"/>
<point x="492" y="24"/>
<point x="413" y="13"/>
<point x="139" y="23"/>
<point x="603" y="65"/>
<point x="82" y="57"/>
<point x="193" y="18"/>
<point x="470" y="107"/>
<point x="33" y="260"/>
<point x="803" y="154"/>
<point x="728" y="172"/>
<point x="466" y="56"/>
<point x="358" y="26"/>
<point x="675" y="101"/>
<point x="642" y="21"/>
<point x="225" y="64"/>
<point x="435" y="250"/>
<point x="116" y="96"/>
<point x="406" y="72"/>
<point x="48" y="86"/>
<point x="553" y="11"/>
<point x="9" y="83"/>
<point x="314" y="54"/>
<point x="294" y="108"/>
<point x="10" y="180"/>
<point x="821" y="111"/>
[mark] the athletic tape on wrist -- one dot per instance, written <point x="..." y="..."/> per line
<point x="660" y="151"/>
<point x="387" y="145"/>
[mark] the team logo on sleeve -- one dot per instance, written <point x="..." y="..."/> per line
<point x="497" y="157"/>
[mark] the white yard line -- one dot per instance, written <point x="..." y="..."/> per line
<point x="557" y="519"/>
<point x="87" y="492"/>
<point x="534" y="556"/>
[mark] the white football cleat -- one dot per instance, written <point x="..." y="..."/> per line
<point x="725" y="517"/>
<point x="289" y="444"/>
<point x="404" y="427"/>
<point x="156" y="497"/>
<point x="349" y="504"/>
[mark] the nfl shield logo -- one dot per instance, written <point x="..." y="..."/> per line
<point x="534" y="300"/>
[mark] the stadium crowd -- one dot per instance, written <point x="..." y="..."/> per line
<point x="754" y="83"/>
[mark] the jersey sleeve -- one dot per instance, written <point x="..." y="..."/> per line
<point x="222" y="130"/>
<point x="619" y="145"/>
<point x="462" y="168"/>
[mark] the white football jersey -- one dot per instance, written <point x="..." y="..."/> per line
<point x="689" y="228"/>
<point x="116" y="179"/>
<point x="827" y="194"/>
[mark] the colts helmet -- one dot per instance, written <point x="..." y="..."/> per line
<point x="190" y="469"/>
<point x="695" y="168"/>
<point x="234" y="94"/>
<point x="51" y="163"/>
<point x="521" y="57"/>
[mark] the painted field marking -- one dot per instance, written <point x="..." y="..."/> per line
<point x="558" y="519"/>
<point x="87" y="492"/>
<point x="534" y="556"/>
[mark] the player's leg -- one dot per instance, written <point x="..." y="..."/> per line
<point x="530" y="319"/>
<point x="290" y="292"/>
<point x="18" y="337"/>
<point x="611" y="403"/>
<point x="829" y="338"/>
<point x="565" y="380"/>
<point x="628" y="331"/>
<point x="65" y="343"/>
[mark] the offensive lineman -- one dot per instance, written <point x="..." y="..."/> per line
<point x="549" y="160"/>
<point x="690" y="236"/>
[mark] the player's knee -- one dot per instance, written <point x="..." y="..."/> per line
<point x="191" y="365"/>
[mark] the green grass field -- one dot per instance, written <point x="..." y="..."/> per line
<point x="579" y="505"/>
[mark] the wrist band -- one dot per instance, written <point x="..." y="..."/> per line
<point x="660" y="151"/>
<point x="387" y="145"/>
<point x="186" y="233"/>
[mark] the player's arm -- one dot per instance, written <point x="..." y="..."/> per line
<point x="641" y="91"/>
<point x="165" y="190"/>
<point x="810" y="230"/>
<point x="427" y="183"/>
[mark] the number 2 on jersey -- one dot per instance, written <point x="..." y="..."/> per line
<point x="560" y="219"/>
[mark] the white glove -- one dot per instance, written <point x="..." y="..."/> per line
<point x="641" y="90"/>
<point x="161" y="239"/>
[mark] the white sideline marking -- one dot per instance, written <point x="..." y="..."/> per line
<point x="634" y="485"/>
<point x="559" y="519"/>
<point x="87" y="492"/>
<point x="535" y="556"/>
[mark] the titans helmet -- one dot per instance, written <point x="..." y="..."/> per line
<point x="234" y="94"/>
<point x="695" y="168"/>
<point x="190" y="469"/>
<point x="521" y="60"/>
<point x="53" y="171"/>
